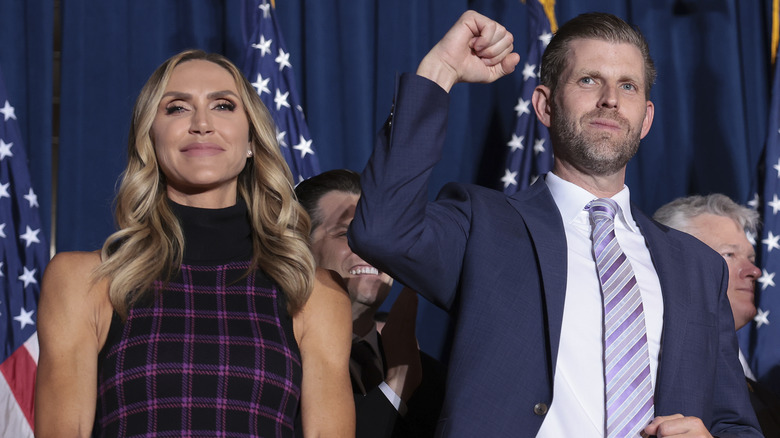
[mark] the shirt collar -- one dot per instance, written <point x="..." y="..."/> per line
<point x="571" y="200"/>
<point x="372" y="338"/>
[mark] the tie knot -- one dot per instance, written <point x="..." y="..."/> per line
<point x="602" y="209"/>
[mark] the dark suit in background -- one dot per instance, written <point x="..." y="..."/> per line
<point x="377" y="417"/>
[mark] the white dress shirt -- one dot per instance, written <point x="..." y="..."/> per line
<point x="578" y="405"/>
<point x="745" y="367"/>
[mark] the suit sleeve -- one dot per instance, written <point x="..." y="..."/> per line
<point x="395" y="228"/>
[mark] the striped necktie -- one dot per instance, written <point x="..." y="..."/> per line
<point x="629" y="392"/>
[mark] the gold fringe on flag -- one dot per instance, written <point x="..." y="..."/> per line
<point x="775" y="28"/>
<point x="273" y="4"/>
<point x="549" y="10"/>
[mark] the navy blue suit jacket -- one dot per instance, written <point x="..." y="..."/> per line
<point x="498" y="264"/>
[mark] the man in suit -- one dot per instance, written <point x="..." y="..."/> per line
<point x="537" y="351"/>
<point x="398" y="389"/>
<point x="722" y="224"/>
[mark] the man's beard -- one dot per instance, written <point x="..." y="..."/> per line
<point x="597" y="153"/>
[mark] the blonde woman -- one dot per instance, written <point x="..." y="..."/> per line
<point x="203" y="315"/>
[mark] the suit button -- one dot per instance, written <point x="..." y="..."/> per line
<point x="540" y="409"/>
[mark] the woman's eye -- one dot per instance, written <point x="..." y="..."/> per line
<point x="171" y="109"/>
<point x="225" y="106"/>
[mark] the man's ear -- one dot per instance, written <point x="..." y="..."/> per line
<point x="648" y="120"/>
<point x="542" y="102"/>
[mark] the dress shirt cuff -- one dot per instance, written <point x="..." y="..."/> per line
<point x="394" y="399"/>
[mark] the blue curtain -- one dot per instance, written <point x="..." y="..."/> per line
<point x="711" y="95"/>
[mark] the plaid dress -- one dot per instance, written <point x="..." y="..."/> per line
<point x="213" y="353"/>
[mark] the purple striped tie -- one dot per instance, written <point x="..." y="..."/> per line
<point x="629" y="392"/>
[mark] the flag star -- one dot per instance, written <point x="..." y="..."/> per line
<point x="771" y="242"/>
<point x="30" y="236"/>
<point x="28" y="277"/>
<point x="261" y="85"/>
<point x="538" y="145"/>
<point x="516" y="142"/>
<point x="281" y="99"/>
<point x="4" y="190"/>
<point x="761" y="318"/>
<point x="1" y="274"/>
<point x="545" y="38"/>
<point x="304" y="146"/>
<point x="775" y="204"/>
<point x="299" y="108"/>
<point x="753" y="203"/>
<point x="2" y="230"/>
<point x="266" y="7"/>
<point x="509" y="178"/>
<point x="264" y="46"/>
<point x="534" y="178"/>
<point x="283" y="60"/>
<point x="777" y="167"/>
<point x="32" y="198"/>
<point x="280" y="137"/>
<point x="5" y="149"/>
<point x="7" y="111"/>
<point x="24" y="318"/>
<point x="522" y="107"/>
<point x="766" y="279"/>
<point x="528" y="71"/>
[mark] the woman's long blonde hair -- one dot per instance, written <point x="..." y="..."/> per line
<point x="149" y="245"/>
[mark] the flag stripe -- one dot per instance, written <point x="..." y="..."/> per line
<point x="19" y="371"/>
<point x="13" y="422"/>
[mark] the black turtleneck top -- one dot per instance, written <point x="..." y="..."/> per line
<point x="213" y="354"/>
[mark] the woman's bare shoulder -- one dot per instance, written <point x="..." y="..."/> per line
<point x="327" y="305"/>
<point x="69" y="282"/>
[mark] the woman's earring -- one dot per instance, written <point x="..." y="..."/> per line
<point x="249" y="153"/>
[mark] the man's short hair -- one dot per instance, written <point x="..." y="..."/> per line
<point x="594" y="26"/>
<point x="310" y="191"/>
<point x="679" y="213"/>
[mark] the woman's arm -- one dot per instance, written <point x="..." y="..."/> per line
<point x="73" y="319"/>
<point x="324" y="333"/>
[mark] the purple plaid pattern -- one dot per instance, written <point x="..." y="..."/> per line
<point x="629" y="392"/>
<point x="213" y="355"/>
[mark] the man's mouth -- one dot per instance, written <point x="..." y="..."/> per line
<point x="364" y="270"/>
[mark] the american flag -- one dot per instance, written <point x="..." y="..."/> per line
<point x="23" y="256"/>
<point x="529" y="152"/>
<point x="765" y="343"/>
<point x="267" y="66"/>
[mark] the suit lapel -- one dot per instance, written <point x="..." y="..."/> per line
<point x="667" y="259"/>
<point x="545" y="228"/>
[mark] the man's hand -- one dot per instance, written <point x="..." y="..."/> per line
<point x="404" y="370"/>
<point x="678" y="426"/>
<point x="475" y="49"/>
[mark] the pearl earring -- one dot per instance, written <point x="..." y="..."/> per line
<point x="249" y="153"/>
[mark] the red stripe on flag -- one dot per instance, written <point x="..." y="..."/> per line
<point x="19" y="371"/>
